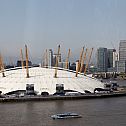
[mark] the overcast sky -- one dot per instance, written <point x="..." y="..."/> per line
<point x="44" y="24"/>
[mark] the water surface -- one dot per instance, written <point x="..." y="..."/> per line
<point x="95" y="112"/>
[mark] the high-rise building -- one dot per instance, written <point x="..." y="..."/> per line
<point x="102" y="59"/>
<point x="54" y="58"/>
<point x="122" y="50"/>
<point x="122" y="56"/>
<point x="50" y="58"/>
<point x="115" y="58"/>
<point x="112" y="58"/>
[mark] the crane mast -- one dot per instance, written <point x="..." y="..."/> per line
<point x="67" y="60"/>
<point x="57" y="58"/>
<point x="88" y="61"/>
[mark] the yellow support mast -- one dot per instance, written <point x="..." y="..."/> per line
<point x="88" y="61"/>
<point x="2" y="66"/>
<point x="83" y="60"/>
<point x="67" y="60"/>
<point x="0" y="63"/>
<point x="22" y="60"/>
<point x="26" y="53"/>
<point x="79" y="62"/>
<point x="57" y="58"/>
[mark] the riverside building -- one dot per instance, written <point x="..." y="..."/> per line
<point x="112" y="58"/>
<point x="102" y="59"/>
<point x="122" y="57"/>
<point x="106" y="59"/>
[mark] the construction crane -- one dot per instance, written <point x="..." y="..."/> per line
<point x="57" y="58"/>
<point x="83" y="60"/>
<point x="88" y="61"/>
<point x="22" y="60"/>
<point x="2" y="65"/>
<point x="67" y="60"/>
<point x="79" y="62"/>
<point x="26" y="53"/>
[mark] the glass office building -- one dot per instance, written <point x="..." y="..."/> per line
<point x="102" y="59"/>
<point x="122" y="56"/>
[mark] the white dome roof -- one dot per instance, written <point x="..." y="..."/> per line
<point x="43" y="80"/>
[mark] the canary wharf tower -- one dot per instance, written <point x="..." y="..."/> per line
<point x="122" y="56"/>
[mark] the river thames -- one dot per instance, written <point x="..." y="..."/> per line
<point x="95" y="112"/>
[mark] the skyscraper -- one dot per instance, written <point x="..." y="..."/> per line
<point x="111" y="58"/>
<point x="102" y="59"/>
<point x="122" y="50"/>
<point x="50" y="58"/>
<point x="122" y="56"/>
<point x="54" y="58"/>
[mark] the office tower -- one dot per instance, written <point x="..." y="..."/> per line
<point x="102" y="59"/>
<point x="50" y="58"/>
<point x="54" y="58"/>
<point x="122" y="56"/>
<point x="111" y="58"/>
<point x="122" y="50"/>
<point x="115" y="58"/>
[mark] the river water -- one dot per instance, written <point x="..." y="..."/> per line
<point x="95" y="112"/>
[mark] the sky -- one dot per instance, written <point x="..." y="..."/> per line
<point x="44" y="24"/>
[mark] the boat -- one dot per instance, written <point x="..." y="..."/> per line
<point x="66" y="115"/>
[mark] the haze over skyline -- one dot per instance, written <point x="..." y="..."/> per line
<point x="44" y="24"/>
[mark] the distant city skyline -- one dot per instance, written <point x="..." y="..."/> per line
<point x="44" y="24"/>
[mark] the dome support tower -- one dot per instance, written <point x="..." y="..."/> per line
<point x="26" y="53"/>
<point x="57" y="60"/>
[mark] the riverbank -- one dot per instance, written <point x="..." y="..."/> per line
<point x="49" y="98"/>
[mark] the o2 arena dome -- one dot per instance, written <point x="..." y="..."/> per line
<point x="49" y="80"/>
<point x="43" y="80"/>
